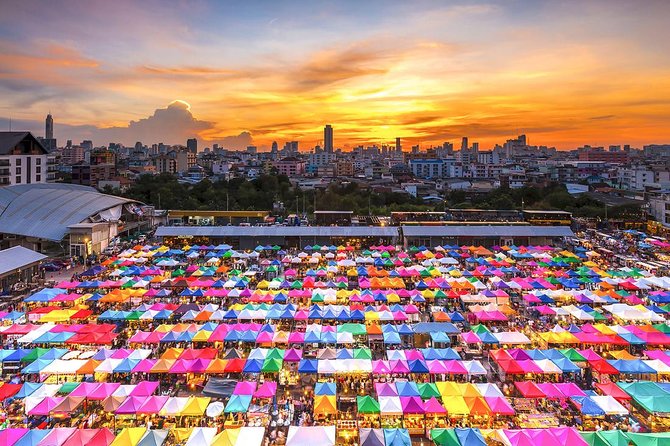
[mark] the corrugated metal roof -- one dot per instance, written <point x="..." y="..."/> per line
<point x="487" y="231"/>
<point x="277" y="231"/>
<point x="46" y="210"/>
<point x="18" y="257"/>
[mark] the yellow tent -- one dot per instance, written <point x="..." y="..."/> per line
<point x="181" y="434"/>
<point x="195" y="407"/>
<point x="129" y="436"/>
<point x="455" y="405"/>
<point x="226" y="437"/>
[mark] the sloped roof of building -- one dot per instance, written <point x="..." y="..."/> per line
<point x="18" y="257"/>
<point x="9" y="140"/>
<point x="46" y="210"/>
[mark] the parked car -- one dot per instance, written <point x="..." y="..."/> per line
<point x="50" y="267"/>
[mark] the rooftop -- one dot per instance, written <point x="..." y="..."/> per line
<point x="277" y="231"/>
<point x="487" y="231"/>
<point x="46" y="211"/>
<point x="18" y="257"/>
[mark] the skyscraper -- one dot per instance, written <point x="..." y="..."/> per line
<point x="464" y="143"/>
<point x="398" y="146"/>
<point x="49" y="142"/>
<point x="328" y="138"/>
<point x="192" y="145"/>
<point x="49" y="132"/>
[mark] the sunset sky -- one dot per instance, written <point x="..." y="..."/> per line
<point x="566" y="73"/>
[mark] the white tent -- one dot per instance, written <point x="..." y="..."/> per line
<point x="390" y="405"/>
<point x="201" y="436"/>
<point x="610" y="405"/>
<point x="253" y="436"/>
<point x="311" y="435"/>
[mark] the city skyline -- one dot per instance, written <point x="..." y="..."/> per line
<point x="242" y="74"/>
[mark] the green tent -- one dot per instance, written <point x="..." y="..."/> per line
<point x="427" y="390"/>
<point x="444" y="437"/>
<point x="362" y="353"/>
<point x="572" y="354"/>
<point x="34" y="354"/>
<point x="67" y="387"/>
<point x="367" y="404"/>
<point x="275" y="353"/>
<point x="354" y="329"/>
<point x="272" y="365"/>
<point x="655" y="439"/>
<point x="479" y="329"/>
<point x="663" y="328"/>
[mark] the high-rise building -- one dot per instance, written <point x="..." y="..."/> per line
<point x="192" y="145"/>
<point x="275" y="147"/>
<point x="398" y="145"/>
<point x="49" y="142"/>
<point x="49" y="131"/>
<point x="328" y="138"/>
<point x="464" y="143"/>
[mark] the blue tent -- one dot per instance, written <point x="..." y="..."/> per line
<point x="32" y="437"/>
<point x="407" y="388"/>
<point x="308" y="366"/>
<point x="253" y="366"/>
<point x="397" y="437"/>
<point x="325" y="388"/>
<point x="588" y="406"/>
<point x="470" y="437"/>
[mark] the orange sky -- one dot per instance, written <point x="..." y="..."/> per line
<point x="565" y="74"/>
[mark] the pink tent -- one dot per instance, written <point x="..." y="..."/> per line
<point x="58" y="436"/>
<point x="551" y="391"/>
<point x="568" y="435"/>
<point x="152" y="404"/>
<point x="144" y="388"/>
<point x="519" y="438"/>
<point x="386" y="389"/>
<point x="144" y="366"/>
<point x="45" y="406"/>
<point x="398" y="366"/>
<point x="12" y="435"/>
<point x="296" y="337"/>
<point x="380" y="367"/>
<point x="131" y="405"/>
<point x="455" y="367"/>
<point x="543" y="437"/>
<point x="499" y="405"/>
<point x="293" y="355"/>
<point x="569" y="389"/>
<point x="103" y="391"/>
<point x="411" y="404"/>
<point x="433" y="406"/>
<point x="436" y="366"/>
<point x="245" y="388"/>
<point x="84" y="389"/>
<point x="267" y="390"/>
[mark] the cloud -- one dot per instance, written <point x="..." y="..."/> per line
<point x="237" y="142"/>
<point x="173" y="124"/>
<point x="336" y="65"/>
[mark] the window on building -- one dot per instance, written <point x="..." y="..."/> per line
<point x="18" y="161"/>
<point x="38" y="169"/>
<point x="18" y="171"/>
<point x="18" y="180"/>
<point x="38" y="161"/>
<point x="38" y="177"/>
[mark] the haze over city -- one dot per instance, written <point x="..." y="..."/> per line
<point x="241" y="73"/>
